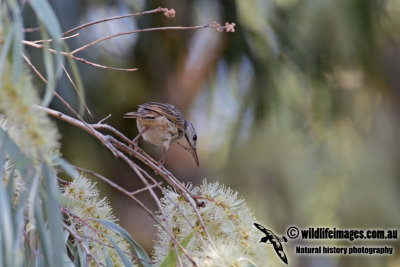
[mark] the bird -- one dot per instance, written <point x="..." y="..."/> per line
<point x="162" y="124"/>
<point x="274" y="240"/>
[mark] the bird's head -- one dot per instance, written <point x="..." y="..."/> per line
<point x="189" y="140"/>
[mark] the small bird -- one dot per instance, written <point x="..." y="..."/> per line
<point x="162" y="124"/>
<point x="274" y="240"/>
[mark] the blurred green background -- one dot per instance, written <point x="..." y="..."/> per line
<point x="298" y="110"/>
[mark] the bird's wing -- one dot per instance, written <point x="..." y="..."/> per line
<point x="260" y="227"/>
<point x="281" y="254"/>
<point x="167" y="110"/>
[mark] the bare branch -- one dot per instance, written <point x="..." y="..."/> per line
<point x="39" y="46"/>
<point x="82" y="243"/>
<point x="50" y="40"/>
<point x="77" y="91"/>
<point x="137" y="31"/>
<point x="159" y="9"/>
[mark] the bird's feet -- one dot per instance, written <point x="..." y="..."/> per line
<point x="133" y="146"/>
<point x="160" y="164"/>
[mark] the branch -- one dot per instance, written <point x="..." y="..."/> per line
<point x="117" y="147"/>
<point x="159" y="9"/>
<point x="137" y="31"/>
<point x="82" y="242"/>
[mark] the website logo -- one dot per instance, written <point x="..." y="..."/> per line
<point x="274" y="240"/>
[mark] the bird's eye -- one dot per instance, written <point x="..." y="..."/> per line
<point x="194" y="137"/>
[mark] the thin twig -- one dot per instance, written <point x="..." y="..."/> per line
<point x="104" y="119"/>
<point x="76" y="90"/>
<point x="159" y="9"/>
<point x="39" y="46"/>
<point x="82" y="242"/>
<point x="137" y="31"/>
<point x="168" y="227"/>
<point x="174" y="203"/>
<point x="51" y="40"/>
<point x="146" y="188"/>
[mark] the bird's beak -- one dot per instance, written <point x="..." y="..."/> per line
<point x="194" y="155"/>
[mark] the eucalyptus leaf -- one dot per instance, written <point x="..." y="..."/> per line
<point x="54" y="216"/>
<point x="76" y="76"/>
<point x="171" y="259"/>
<point x="17" y="27"/>
<point x="81" y="259"/>
<point x="13" y="151"/>
<point x="49" y="67"/>
<point x="44" y="238"/>
<point x="66" y="166"/>
<point x="108" y="259"/>
<point x="18" y="46"/>
<point x="47" y="15"/>
<point x="142" y="255"/>
<point x="121" y="254"/>
<point x="6" y="226"/>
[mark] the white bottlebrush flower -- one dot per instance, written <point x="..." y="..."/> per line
<point x="19" y="184"/>
<point x="225" y="253"/>
<point x="31" y="129"/>
<point x="83" y="204"/>
<point x="228" y="220"/>
<point x="8" y="167"/>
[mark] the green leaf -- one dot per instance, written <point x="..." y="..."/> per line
<point x="18" y="223"/>
<point x="54" y="216"/>
<point x="47" y="15"/>
<point x="48" y="18"/>
<point x="66" y="166"/>
<point x="81" y="259"/>
<point x="6" y="227"/>
<point x="2" y="154"/>
<point x="108" y="259"/>
<point x="44" y="239"/>
<point x="171" y="260"/>
<point x="72" y="249"/>
<point x="17" y="27"/>
<point x="76" y="76"/>
<point x="121" y="254"/>
<point x="18" y="47"/>
<point x="21" y="162"/>
<point x="49" y="67"/>
<point x="141" y="253"/>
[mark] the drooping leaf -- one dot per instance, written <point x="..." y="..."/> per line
<point x="54" y="216"/>
<point x="108" y="259"/>
<point x="76" y="76"/>
<point x="66" y="166"/>
<point x="171" y="260"/>
<point x="141" y="253"/>
<point x="18" y="46"/>
<point x="121" y="254"/>
<point x="47" y="15"/>
<point x="44" y="238"/>
<point x="49" y="67"/>
<point x="6" y="227"/>
<point x="16" y="155"/>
